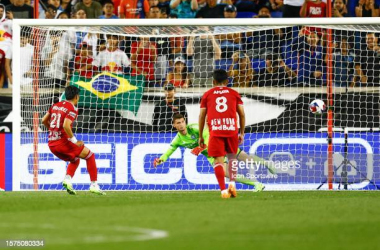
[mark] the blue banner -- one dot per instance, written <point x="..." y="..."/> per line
<point x="124" y="162"/>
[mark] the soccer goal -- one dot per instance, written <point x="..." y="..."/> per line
<point x="134" y="75"/>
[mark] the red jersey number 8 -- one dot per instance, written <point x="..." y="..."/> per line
<point x="221" y="104"/>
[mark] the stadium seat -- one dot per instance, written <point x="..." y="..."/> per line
<point x="258" y="64"/>
<point x="276" y="14"/>
<point x="223" y="64"/>
<point x="246" y="14"/>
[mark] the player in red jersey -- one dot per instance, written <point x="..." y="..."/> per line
<point x="62" y="142"/>
<point x="221" y="104"/>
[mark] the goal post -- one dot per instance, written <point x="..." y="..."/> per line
<point x="120" y="94"/>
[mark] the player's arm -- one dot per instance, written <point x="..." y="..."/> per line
<point x="202" y="120"/>
<point x="173" y="147"/>
<point x="46" y="120"/>
<point x="67" y="127"/>
<point x="241" y="113"/>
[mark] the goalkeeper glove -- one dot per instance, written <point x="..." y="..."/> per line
<point x="197" y="150"/>
<point x="157" y="162"/>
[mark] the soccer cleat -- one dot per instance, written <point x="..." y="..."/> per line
<point x="69" y="187"/>
<point x="259" y="187"/>
<point x="94" y="188"/>
<point x="225" y="194"/>
<point x="232" y="190"/>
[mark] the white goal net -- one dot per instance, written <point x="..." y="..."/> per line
<point x="134" y="78"/>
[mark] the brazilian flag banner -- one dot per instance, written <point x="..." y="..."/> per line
<point x="110" y="91"/>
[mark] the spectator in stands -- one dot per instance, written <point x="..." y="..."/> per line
<point x="276" y="5"/>
<point x="20" y="10"/>
<point x="179" y="77"/>
<point x="184" y="8"/>
<point x="313" y="8"/>
<point x="131" y="9"/>
<point x="5" y="48"/>
<point x="143" y="59"/>
<point x="339" y="9"/>
<point x="164" y="6"/>
<point x="229" y="42"/>
<point x="163" y="13"/>
<point x="205" y="50"/>
<point x="27" y="52"/>
<point x="211" y="10"/>
<point x="292" y="8"/>
<point x="108" y="10"/>
<point x="166" y="109"/>
<point x="310" y="58"/>
<point x="83" y="62"/>
<point x="56" y="4"/>
<point x="260" y="43"/>
<point x="55" y="57"/>
<point x="5" y="62"/>
<point x="80" y="14"/>
<point x="249" y="5"/>
<point x="276" y="73"/>
<point x="241" y="70"/>
<point x="65" y="6"/>
<point x="163" y="50"/>
<point x="367" y="65"/>
<point x="230" y="11"/>
<point x="112" y="59"/>
<point x="343" y="62"/>
<point x="148" y="4"/>
<point x="50" y="12"/>
<point x="63" y="15"/>
<point x="154" y="12"/>
<point x="367" y="8"/>
<point x="92" y="8"/>
<point x="173" y="16"/>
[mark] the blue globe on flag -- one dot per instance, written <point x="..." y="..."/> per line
<point x="106" y="84"/>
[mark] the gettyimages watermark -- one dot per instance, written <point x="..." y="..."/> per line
<point x="249" y="168"/>
<point x="293" y="167"/>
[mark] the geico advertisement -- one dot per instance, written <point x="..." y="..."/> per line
<point x="125" y="161"/>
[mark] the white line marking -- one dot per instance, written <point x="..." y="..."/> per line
<point x="140" y="234"/>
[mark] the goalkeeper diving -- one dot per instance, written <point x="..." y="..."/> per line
<point x="188" y="137"/>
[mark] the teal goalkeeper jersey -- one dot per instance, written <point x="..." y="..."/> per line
<point x="190" y="140"/>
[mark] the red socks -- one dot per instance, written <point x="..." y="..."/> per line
<point x="72" y="167"/>
<point x="219" y="173"/>
<point x="91" y="166"/>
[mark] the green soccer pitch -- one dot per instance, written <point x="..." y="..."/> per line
<point x="193" y="220"/>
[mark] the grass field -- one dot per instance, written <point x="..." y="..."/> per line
<point x="193" y="220"/>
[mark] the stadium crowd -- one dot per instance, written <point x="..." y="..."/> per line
<point x="272" y="57"/>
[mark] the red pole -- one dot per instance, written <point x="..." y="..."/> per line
<point x="330" y="97"/>
<point x="36" y="6"/>
<point x="36" y="100"/>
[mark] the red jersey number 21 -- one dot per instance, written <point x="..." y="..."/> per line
<point x="56" y="119"/>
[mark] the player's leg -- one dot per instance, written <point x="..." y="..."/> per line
<point x="71" y="168"/>
<point x="255" y="161"/>
<point x="61" y="151"/>
<point x="231" y="146"/>
<point x="226" y="174"/>
<point x="89" y="156"/>
<point x="217" y="151"/>
<point x="244" y="157"/>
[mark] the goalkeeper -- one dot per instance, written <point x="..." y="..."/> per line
<point x="187" y="137"/>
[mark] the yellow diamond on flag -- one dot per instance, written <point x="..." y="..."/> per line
<point x="107" y="85"/>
